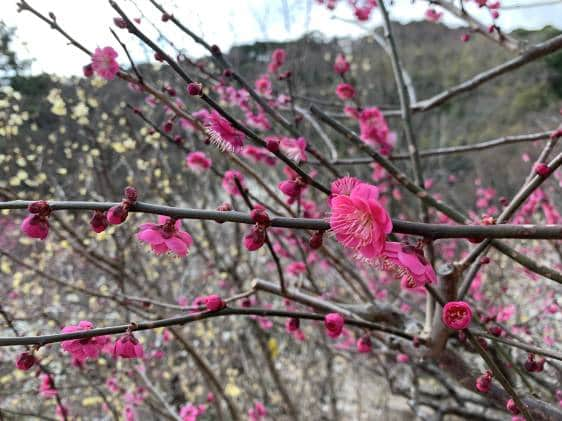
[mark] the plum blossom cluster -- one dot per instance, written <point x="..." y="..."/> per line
<point x="361" y="223"/>
<point x="126" y="346"/>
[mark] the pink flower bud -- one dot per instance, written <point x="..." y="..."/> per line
<point x="255" y="239"/>
<point x="290" y="188"/>
<point x="345" y="91"/>
<point x="195" y="89"/>
<point x="334" y="324"/>
<point x="214" y="302"/>
<point x="511" y="406"/>
<point x="117" y="214"/>
<point x="542" y="169"/>
<point x="260" y="216"/>
<point x="465" y="37"/>
<point x="341" y="65"/>
<point x="25" y="361"/>
<point x="165" y="17"/>
<point x="456" y="315"/>
<point x="364" y="344"/>
<point x="35" y="226"/>
<point x="292" y="324"/>
<point x="127" y="346"/>
<point x="402" y="358"/>
<point x="484" y="382"/>
<point x="158" y="56"/>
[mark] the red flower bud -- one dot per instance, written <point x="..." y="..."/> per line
<point x="25" y="361"/>
<point x="194" y="89"/>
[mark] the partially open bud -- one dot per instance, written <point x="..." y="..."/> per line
<point x="484" y="382"/>
<point x="255" y="239"/>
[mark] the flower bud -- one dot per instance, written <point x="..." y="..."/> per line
<point x="214" y="302"/>
<point x="25" y="361"/>
<point x="194" y="89"/>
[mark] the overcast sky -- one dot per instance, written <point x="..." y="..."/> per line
<point x="222" y="22"/>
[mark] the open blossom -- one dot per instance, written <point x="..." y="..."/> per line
<point x="257" y="154"/>
<point x="345" y="91"/>
<point x="407" y="263"/>
<point x="374" y="130"/>
<point x="104" y="63"/>
<point x="341" y="65"/>
<point x="359" y="220"/>
<point x="222" y="134"/>
<point x="82" y="349"/>
<point x="166" y="236"/>
<point x="295" y="149"/>
<point x="344" y="185"/>
<point x="198" y="162"/>
<point x="334" y="323"/>
<point x="229" y="184"/>
<point x="456" y="315"/>
<point x="433" y="15"/>
<point x="127" y="346"/>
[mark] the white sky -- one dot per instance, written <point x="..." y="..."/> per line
<point x="222" y="22"/>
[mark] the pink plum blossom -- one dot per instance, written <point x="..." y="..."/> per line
<point x="359" y="220"/>
<point x="104" y="63"/>
<point x="166" y="236"/>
